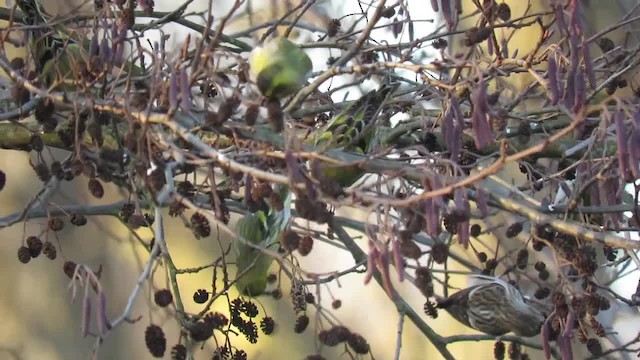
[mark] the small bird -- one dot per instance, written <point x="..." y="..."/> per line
<point x="263" y="230"/>
<point x="495" y="308"/>
<point x="60" y="54"/>
<point x="354" y="130"/>
<point x="279" y="68"/>
<point x="42" y="42"/>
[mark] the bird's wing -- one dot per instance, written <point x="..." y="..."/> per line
<point x="356" y="121"/>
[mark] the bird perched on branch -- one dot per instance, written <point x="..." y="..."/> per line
<point x="495" y="308"/>
<point x="262" y="230"/>
<point x="354" y="129"/>
<point x="279" y="68"/>
<point x="44" y="43"/>
<point x="61" y="54"/>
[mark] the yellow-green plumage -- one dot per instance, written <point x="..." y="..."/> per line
<point x="353" y="130"/>
<point x="64" y="67"/>
<point x="59" y="53"/>
<point x="42" y="43"/>
<point x="262" y="230"/>
<point x="251" y="263"/>
<point x="279" y="68"/>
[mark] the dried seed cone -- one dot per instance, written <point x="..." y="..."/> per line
<point x="495" y="308"/>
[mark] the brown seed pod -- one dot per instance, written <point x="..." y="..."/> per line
<point x="305" y="245"/>
<point x="301" y="324"/>
<point x="95" y="188"/>
<point x="289" y="240"/>
<point x="163" y="297"/>
<point x="35" y="246"/>
<point x="333" y="27"/>
<point x="440" y="252"/>
<point x="275" y="114"/>
<point x="55" y="224"/>
<point x="24" y="255"/>
<point x="424" y="281"/>
<point x="49" y="251"/>
<point x="155" y="340"/>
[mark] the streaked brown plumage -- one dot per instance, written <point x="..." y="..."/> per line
<point x="495" y="308"/>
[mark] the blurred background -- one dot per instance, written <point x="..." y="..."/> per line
<point x="40" y="322"/>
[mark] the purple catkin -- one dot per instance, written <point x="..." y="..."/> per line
<point x="437" y="185"/>
<point x="118" y="54"/>
<point x="398" y="260"/>
<point x="574" y="43"/>
<point x="580" y="91"/>
<point x="560" y="77"/>
<point x="588" y="65"/>
<point x="613" y="188"/>
<point x="569" y="325"/>
<point x="480" y="126"/>
<point x="86" y="315"/>
<point x="456" y="144"/>
<point x="457" y="111"/>
<point x="447" y="126"/>
<point x="481" y="201"/>
<point x="564" y="345"/>
<point x="173" y="90"/>
<point x="481" y="130"/>
<point x="432" y="207"/>
<point x="562" y="25"/>
<point x="372" y="256"/>
<point x="490" y="46"/>
<point x="569" y="90"/>
<point x="575" y="18"/>
<point x="504" y="47"/>
<point x="634" y="152"/>
<point x="94" y="46"/>
<point x="546" y="347"/>
<point x="574" y="68"/>
<point x="594" y="195"/>
<point x="248" y="189"/>
<point x="621" y="141"/>
<point x="458" y="6"/>
<point x="608" y="190"/>
<point x="185" y="91"/>
<point x="434" y="5"/>
<point x="382" y="260"/>
<point x="447" y="14"/>
<point x="559" y="17"/>
<point x="463" y="227"/>
<point x="450" y="134"/>
<point x="432" y="217"/>
<point x="554" y="84"/>
<point x="602" y="192"/>
<point x="101" y="313"/>
<point x="105" y="51"/>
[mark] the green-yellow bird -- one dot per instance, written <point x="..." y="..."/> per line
<point x="59" y="54"/>
<point x="354" y="129"/>
<point x="262" y="230"/>
<point x="279" y="68"/>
